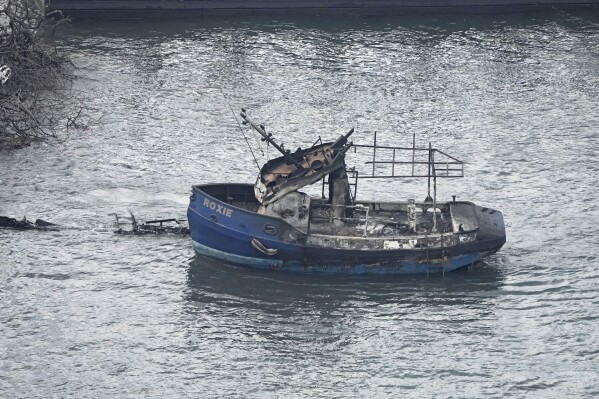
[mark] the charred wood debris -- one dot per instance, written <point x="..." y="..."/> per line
<point x="125" y="225"/>
<point x="157" y="226"/>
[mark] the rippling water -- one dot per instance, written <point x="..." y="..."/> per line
<point x="86" y="313"/>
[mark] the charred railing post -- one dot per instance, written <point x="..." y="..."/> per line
<point x="434" y="193"/>
<point x="429" y="171"/>
<point x="413" y="152"/>
<point x="374" y="155"/>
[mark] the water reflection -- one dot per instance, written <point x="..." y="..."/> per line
<point x="212" y="281"/>
<point x="272" y="316"/>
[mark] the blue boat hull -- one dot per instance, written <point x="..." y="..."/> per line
<point x="298" y="266"/>
<point x="223" y="231"/>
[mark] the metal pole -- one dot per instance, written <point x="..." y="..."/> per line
<point x="434" y="196"/>
<point x="413" y="151"/>
<point x="374" y="154"/>
<point x="356" y="190"/>
<point x="429" y="170"/>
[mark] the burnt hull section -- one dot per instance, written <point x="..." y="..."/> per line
<point x="221" y="228"/>
<point x="337" y="266"/>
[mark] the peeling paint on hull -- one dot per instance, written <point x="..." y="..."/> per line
<point x="301" y="267"/>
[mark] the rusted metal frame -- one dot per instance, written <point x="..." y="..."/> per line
<point x="161" y="221"/>
<point x="389" y="176"/>
<point x="416" y="163"/>
<point x="305" y="157"/>
<point x="355" y="176"/>
<point x="447" y="169"/>
<point x="431" y="163"/>
<point x="454" y="161"/>
<point x="448" y="156"/>
<point x="314" y="144"/>
<point x="322" y="150"/>
<point x="374" y="162"/>
<point x="386" y="147"/>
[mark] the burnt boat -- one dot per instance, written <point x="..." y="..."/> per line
<point x="271" y="224"/>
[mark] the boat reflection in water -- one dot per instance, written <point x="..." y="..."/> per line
<point x="273" y="225"/>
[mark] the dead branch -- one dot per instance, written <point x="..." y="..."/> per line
<point x="35" y="77"/>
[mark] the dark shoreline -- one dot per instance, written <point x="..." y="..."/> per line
<point x="136" y="9"/>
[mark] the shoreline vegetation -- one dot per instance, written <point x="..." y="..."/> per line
<point x="36" y="77"/>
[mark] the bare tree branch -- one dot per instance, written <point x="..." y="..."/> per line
<point x="37" y="95"/>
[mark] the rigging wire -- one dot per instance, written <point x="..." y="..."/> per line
<point x="255" y="135"/>
<point x="242" y="132"/>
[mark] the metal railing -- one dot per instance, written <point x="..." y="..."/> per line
<point x="446" y="166"/>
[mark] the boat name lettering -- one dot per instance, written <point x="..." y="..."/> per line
<point x="218" y="208"/>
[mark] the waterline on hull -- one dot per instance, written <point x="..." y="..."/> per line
<point x="294" y="266"/>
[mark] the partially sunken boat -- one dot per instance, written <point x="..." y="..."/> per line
<point x="273" y="225"/>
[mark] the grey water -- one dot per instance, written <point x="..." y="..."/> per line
<point x="87" y="313"/>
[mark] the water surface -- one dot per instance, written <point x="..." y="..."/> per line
<point x="87" y="313"/>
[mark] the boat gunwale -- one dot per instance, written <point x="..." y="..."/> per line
<point x="361" y="202"/>
<point x="200" y="188"/>
<point x="279" y="220"/>
<point x="310" y="246"/>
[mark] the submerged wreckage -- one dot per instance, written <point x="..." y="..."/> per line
<point x="24" y="224"/>
<point x="273" y="225"/>
<point x="126" y="225"/>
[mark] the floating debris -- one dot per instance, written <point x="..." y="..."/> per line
<point x="128" y="225"/>
<point x="24" y="224"/>
<point x="158" y="226"/>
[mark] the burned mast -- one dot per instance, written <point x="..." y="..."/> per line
<point x="292" y="171"/>
<point x="267" y="137"/>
